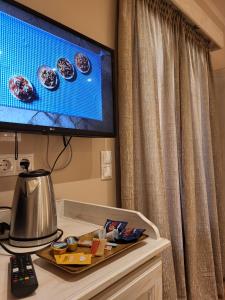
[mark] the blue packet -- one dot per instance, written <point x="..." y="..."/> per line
<point x="110" y="225"/>
<point x="129" y="235"/>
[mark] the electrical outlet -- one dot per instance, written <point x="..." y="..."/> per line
<point x="9" y="166"/>
<point x="18" y="168"/>
<point x="6" y="165"/>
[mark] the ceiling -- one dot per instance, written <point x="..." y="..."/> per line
<point x="220" y="4"/>
<point x="215" y="9"/>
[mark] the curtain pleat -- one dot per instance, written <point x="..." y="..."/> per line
<point x="126" y="115"/>
<point x="167" y="151"/>
<point x="219" y="172"/>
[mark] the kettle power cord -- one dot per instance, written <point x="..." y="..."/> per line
<point x="30" y="252"/>
<point x="5" y="207"/>
<point x="66" y="143"/>
<point x="3" y="225"/>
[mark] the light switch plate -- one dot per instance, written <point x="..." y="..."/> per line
<point x="106" y="157"/>
<point x="106" y="172"/>
<point x="106" y="165"/>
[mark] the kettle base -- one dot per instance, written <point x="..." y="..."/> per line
<point x="23" y="243"/>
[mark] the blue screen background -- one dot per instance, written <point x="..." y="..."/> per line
<point x="24" y="48"/>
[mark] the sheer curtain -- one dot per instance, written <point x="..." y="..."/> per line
<point x="167" y="169"/>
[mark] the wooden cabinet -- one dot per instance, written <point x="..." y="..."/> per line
<point x="144" y="283"/>
<point x="135" y="274"/>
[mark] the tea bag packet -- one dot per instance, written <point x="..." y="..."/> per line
<point x="73" y="259"/>
<point x="130" y="235"/>
<point x="101" y="248"/>
<point x="94" y="246"/>
<point x="98" y="247"/>
<point x="110" y="225"/>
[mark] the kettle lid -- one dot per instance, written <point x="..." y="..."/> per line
<point x="35" y="173"/>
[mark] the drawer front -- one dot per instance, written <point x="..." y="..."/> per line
<point x="144" y="283"/>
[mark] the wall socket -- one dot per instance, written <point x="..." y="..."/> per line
<point x="10" y="167"/>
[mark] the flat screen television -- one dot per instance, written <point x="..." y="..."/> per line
<point x="52" y="78"/>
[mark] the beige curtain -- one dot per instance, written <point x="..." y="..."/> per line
<point x="217" y="95"/>
<point x="167" y="169"/>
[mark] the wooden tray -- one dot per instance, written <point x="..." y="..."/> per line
<point x="47" y="254"/>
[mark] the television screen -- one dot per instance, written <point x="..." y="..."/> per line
<point x="52" y="79"/>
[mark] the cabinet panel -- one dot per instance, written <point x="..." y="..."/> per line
<point x="144" y="297"/>
<point x="150" y="295"/>
<point x="144" y="283"/>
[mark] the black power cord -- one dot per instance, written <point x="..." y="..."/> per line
<point x="3" y="225"/>
<point x="66" y="143"/>
<point x="5" y="207"/>
<point x="16" y="146"/>
<point x="30" y="252"/>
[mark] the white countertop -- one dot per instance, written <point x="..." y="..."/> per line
<point x="56" y="284"/>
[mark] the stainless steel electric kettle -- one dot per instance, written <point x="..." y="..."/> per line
<point x="33" y="220"/>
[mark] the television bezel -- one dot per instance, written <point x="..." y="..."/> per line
<point x="28" y="128"/>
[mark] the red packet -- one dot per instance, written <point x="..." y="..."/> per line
<point x="94" y="246"/>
